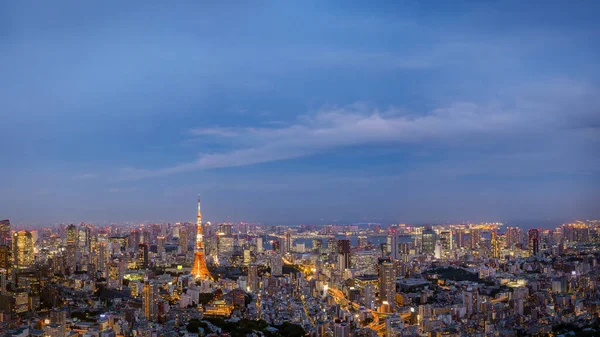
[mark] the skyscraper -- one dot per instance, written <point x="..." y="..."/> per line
<point x="343" y="254"/>
<point x="23" y="249"/>
<point x="534" y="242"/>
<point x="183" y="239"/>
<point x="460" y="237"/>
<point x="150" y="300"/>
<point x="252" y="278"/>
<point x="4" y="232"/>
<point x="392" y="245"/>
<point x="5" y="246"/>
<point x="103" y="252"/>
<point x="160" y="244"/>
<point x="289" y="242"/>
<point x="475" y="238"/>
<point x="72" y="235"/>
<point x="447" y="240"/>
<point x="495" y="245"/>
<point x="71" y="249"/>
<point x="387" y="283"/>
<point x="405" y="244"/>
<point x="5" y="259"/>
<point x="199" y="270"/>
<point x="512" y="237"/>
<point x="259" y="244"/>
<point x="142" y="256"/>
<point x="276" y="265"/>
<point x="428" y="239"/>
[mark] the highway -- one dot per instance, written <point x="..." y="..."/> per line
<point x="341" y="299"/>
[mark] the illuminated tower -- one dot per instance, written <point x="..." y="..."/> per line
<point x="199" y="269"/>
<point x="150" y="300"/>
<point x="495" y="250"/>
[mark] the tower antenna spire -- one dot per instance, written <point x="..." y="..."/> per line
<point x="199" y="269"/>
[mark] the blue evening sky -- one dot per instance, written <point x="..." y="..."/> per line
<point x="299" y="112"/>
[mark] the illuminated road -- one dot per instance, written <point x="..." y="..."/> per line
<point x="375" y="325"/>
<point x="500" y="299"/>
<point x="339" y="297"/>
<point x="312" y="319"/>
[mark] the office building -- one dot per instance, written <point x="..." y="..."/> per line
<point x="387" y="283"/>
<point x="23" y="252"/>
<point x="534" y="242"/>
<point x="428" y="240"/>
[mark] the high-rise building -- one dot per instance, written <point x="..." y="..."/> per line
<point x="387" y="283"/>
<point x="361" y="241"/>
<point x="512" y="236"/>
<point x="405" y="243"/>
<point x="199" y="270"/>
<point x="259" y="244"/>
<point x="428" y="240"/>
<point x="134" y="238"/>
<point x="150" y="300"/>
<point x="23" y="252"/>
<point x="226" y="229"/>
<point x="103" y="252"/>
<point x="183" y="239"/>
<point x="142" y="256"/>
<point x="365" y="261"/>
<point x="71" y="248"/>
<point x="460" y="237"/>
<point x="225" y="245"/>
<point x="276" y="265"/>
<point x="331" y="246"/>
<point x="5" y="232"/>
<point x="5" y="259"/>
<point x="475" y="238"/>
<point x="59" y="318"/>
<point x="160" y="244"/>
<point x="369" y="292"/>
<point x="72" y="234"/>
<point x="343" y="254"/>
<point x="471" y="300"/>
<point x="534" y="242"/>
<point x="84" y="235"/>
<point x="447" y="240"/>
<point x="288" y="242"/>
<point x="5" y="247"/>
<point x="116" y="273"/>
<point x="392" y="245"/>
<point x="3" y="283"/>
<point x="253" y="278"/>
<point x="495" y="245"/>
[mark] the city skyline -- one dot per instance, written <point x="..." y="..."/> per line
<point x="200" y="279"/>
<point x="416" y="112"/>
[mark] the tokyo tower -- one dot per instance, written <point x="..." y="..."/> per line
<point x="199" y="270"/>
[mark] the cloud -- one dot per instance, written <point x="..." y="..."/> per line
<point x="531" y="115"/>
